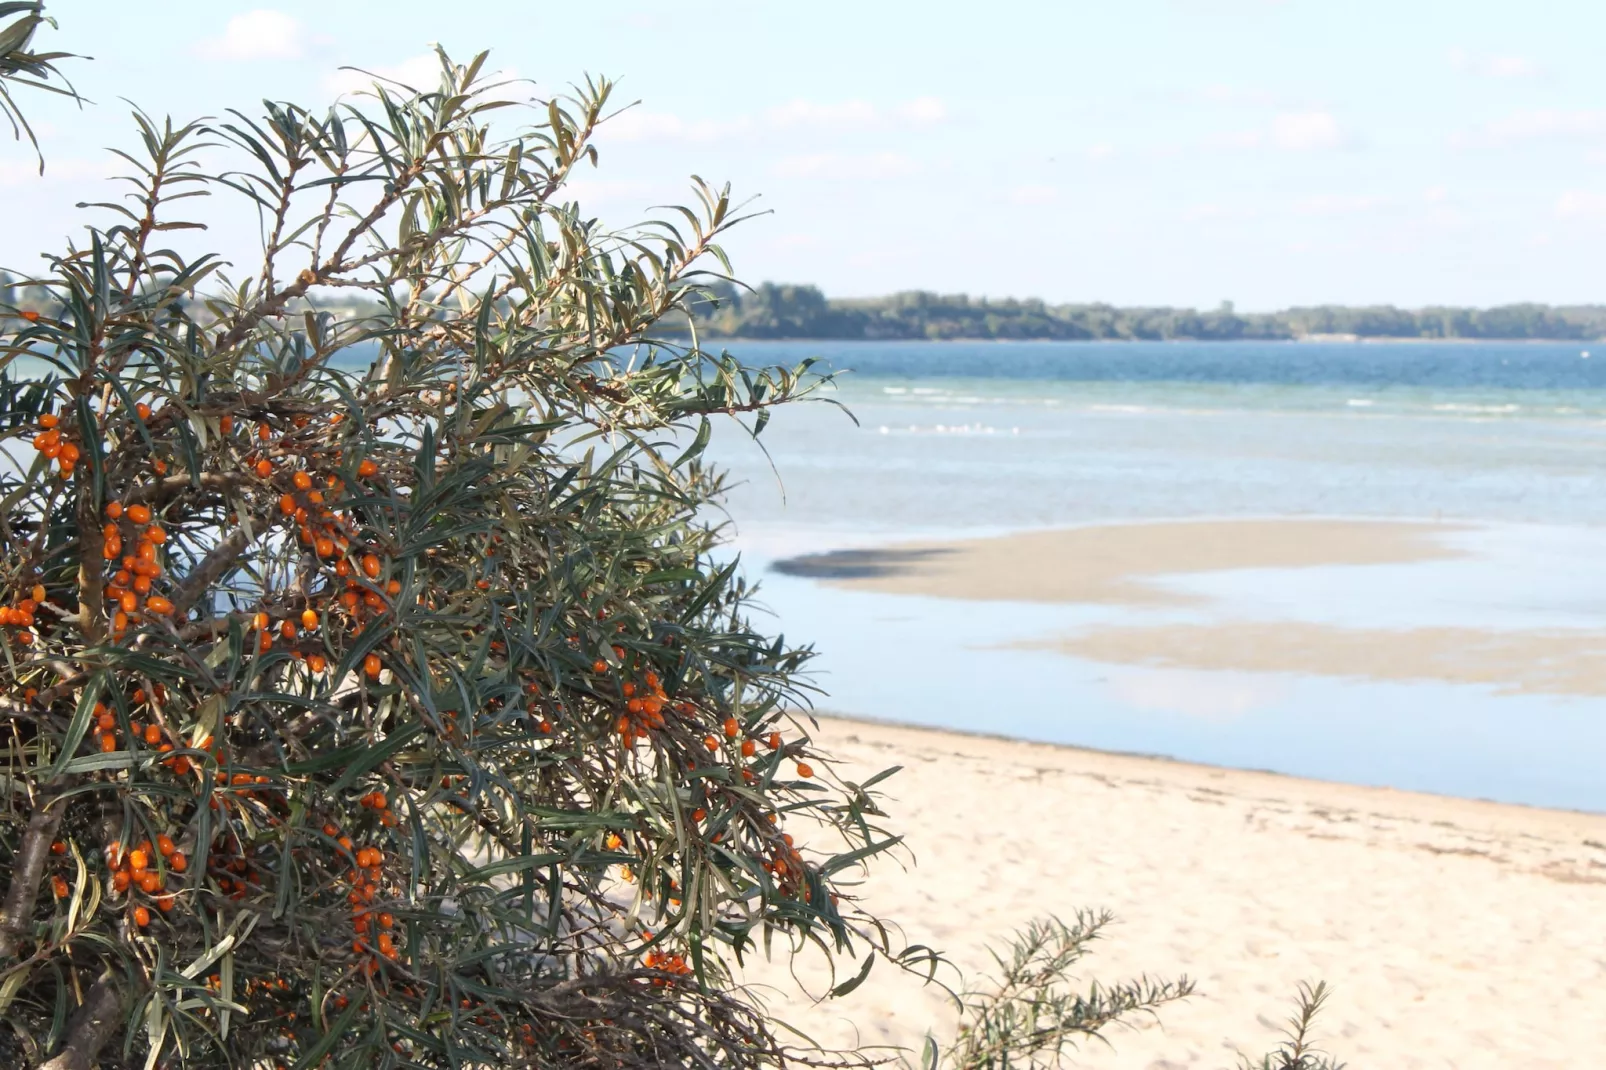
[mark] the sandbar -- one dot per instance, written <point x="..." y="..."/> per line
<point x="1116" y="563"/>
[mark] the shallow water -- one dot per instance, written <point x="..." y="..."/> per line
<point x="960" y="441"/>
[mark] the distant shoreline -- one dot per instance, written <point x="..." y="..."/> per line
<point x="1306" y="340"/>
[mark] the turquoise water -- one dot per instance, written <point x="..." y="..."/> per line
<point x="963" y="440"/>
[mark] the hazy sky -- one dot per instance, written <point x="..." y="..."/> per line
<point x="1134" y="151"/>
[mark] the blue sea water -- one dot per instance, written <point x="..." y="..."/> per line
<point x="960" y="439"/>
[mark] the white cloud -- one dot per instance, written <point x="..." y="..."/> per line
<point x="1541" y="124"/>
<point x="1336" y="204"/>
<point x="807" y="113"/>
<point x="419" y="72"/>
<point x="635" y="124"/>
<point x="1034" y="194"/>
<point x="259" y="34"/>
<point x="1494" y="66"/>
<point x="1305" y="131"/>
<point x="1581" y="204"/>
<point x="1232" y="95"/>
<point x="1435" y="194"/>
<point x="831" y="165"/>
<point x="1102" y="151"/>
<point x="923" y="110"/>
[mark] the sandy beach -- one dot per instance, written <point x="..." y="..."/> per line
<point x="1456" y="934"/>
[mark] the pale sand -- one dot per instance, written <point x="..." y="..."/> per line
<point x="1110" y="563"/>
<point x="1560" y="662"/>
<point x="1456" y="934"/>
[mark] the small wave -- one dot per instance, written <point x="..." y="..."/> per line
<point x="1119" y="408"/>
<point x="1360" y="403"/>
<point x="894" y="390"/>
<point x="1486" y="409"/>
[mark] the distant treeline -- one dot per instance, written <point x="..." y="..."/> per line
<point x="786" y="311"/>
<point x="783" y="311"/>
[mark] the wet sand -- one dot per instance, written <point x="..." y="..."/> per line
<point x="1116" y="563"/>
<point x="1456" y="934"/>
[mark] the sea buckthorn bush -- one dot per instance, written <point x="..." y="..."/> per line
<point x="375" y="694"/>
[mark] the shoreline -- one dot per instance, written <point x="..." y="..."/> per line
<point x="1204" y="770"/>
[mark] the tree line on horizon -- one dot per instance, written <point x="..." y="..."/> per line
<point x="774" y="310"/>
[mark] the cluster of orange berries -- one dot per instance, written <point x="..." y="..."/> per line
<point x="732" y="728"/>
<point x="21" y="615"/>
<point x="672" y="962"/>
<point x="136" y="872"/>
<point x="644" y="704"/>
<point x="49" y="442"/>
<point x="130" y="587"/>
<point x="372" y="928"/>
<point x="152" y="735"/>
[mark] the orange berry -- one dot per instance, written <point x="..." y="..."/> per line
<point x="177" y="862"/>
<point x="58" y="848"/>
<point x="155" y="533"/>
<point x="148" y="882"/>
<point x="710" y="742"/>
<point x="139" y="514"/>
<point x="49" y="419"/>
<point x="138" y="859"/>
<point x="371" y="665"/>
<point x="805" y="770"/>
<point x="225" y="424"/>
<point x="114" y="510"/>
<point x="748" y="747"/>
<point x="153" y="735"/>
<point x="287" y="629"/>
<point x="732" y="728"/>
<point x="108" y="743"/>
<point x="325" y="547"/>
<point x="264" y="432"/>
<point x="264" y="468"/>
<point x="143" y="411"/>
<point x="38" y="592"/>
<point x="142" y="917"/>
<point x="309" y="619"/>
<point x="58" y="886"/>
<point x="157" y="604"/>
<point x="316" y="662"/>
<point x="774" y="742"/>
<point x="301" y="480"/>
<point x="599" y="666"/>
<point x="164" y="844"/>
<point x="367" y="468"/>
<point x="287" y="504"/>
<point x="698" y="814"/>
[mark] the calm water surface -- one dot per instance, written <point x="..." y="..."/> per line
<point x="967" y="439"/>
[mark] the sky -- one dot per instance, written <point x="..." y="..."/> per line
<point x="1145" y="152"/>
